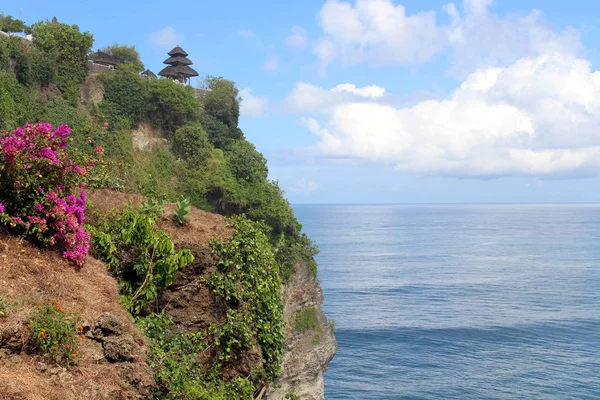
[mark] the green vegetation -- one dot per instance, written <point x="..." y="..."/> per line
<point x="249" y="285"/>
<point x="128" y="57"/>
<point x="307" y="319"/>
<point x="142" y="257"/>
<point x="182" y="212"/>
<point x="54" y="333"/>
<point x="205" y="162"/>
<point x="248" y="281"/>
<point x="3" y="306"/>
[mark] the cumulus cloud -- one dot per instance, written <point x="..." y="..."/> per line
<point x="298" y="39"/>
<point x="382" y="33"/>
<point x="166" y="37"/>
<point x="252" y="106"/>
<point x="306" y="97"/>
<point x="304" y="186"/>
<point x="537" y="117"/>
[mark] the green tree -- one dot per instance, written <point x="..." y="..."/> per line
<point x="69" y="48"/>
<point x="128" y="56"/>
<point x="246" y="163"/>
<point x="222" y="102"/>
<point x="191" y="142"/>
<point x="170" y="105"/>
<point x="10" y="24"/>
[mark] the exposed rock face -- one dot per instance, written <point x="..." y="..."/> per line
<point x="92" y="91"/>
<point x="146" y="138"/>
<point x="305" y="358"/>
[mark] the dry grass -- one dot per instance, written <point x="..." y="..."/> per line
<point x="30" y="276"/>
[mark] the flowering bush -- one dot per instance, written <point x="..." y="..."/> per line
<point x="41" y="189"/>
<point x="54" y="333"/>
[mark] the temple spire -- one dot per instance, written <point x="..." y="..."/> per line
<point x="178" y="66"/>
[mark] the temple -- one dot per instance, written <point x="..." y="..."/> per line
<point x="179" y="66"/>
<point x="101" y="58"/>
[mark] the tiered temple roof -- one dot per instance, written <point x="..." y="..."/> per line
<point x="179" y="66"/>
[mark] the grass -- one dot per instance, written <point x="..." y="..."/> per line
<point x="306" y="319"/>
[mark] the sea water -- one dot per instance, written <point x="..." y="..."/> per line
<point x="460" y="301"/>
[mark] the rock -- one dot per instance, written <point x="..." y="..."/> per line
<point x="120" y="348"/>
<point x="109" y="325"/>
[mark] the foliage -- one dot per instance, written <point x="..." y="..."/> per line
<point x="174" y="360"/>
<point x="69" y="48"/>
<point x="291" y="395"/>
<point x="54" y="333"/>
<point x="191" y="142"/>
<point x="128" y="57"/>
<point x="248" y="280"/>
<point x="306" y="319"/>
<point x="220" y="135"/>
<point x="142" y="257"/>
<point x="123" y="97"/>
<point x="182" y="212"/>
<point x="246" y="163"/>
<point x="169" y="105"/>
<point x="41" y="189"/>
<point x="10" y="24"/>
<point x="221" y="102"/>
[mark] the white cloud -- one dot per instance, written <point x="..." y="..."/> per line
<point x="306" y="97"/>
<point x="381" y="32"/>
<point x="252" y="106"/>
<point x="298" y="39"/>
<point x="271" y="64"/>
<point x="166" y="37"/>
<point x="305" y="186"/>
<point x="537" y="116"/>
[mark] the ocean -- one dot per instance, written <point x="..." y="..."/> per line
<point x="460" y="301"/>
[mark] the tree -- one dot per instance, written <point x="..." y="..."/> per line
<point x="222" y="101"/>
<point x="69" y="48"/>
<point x="128" y="57"/>
<point x="170" y="105"/>
<point x="246" y="163"/>
<point x="10" y="24"/>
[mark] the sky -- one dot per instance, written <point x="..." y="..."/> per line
<point x="389" y="101"/>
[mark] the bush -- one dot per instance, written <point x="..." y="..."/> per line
<point x="142" y="257"/>
<point x="170" y="106"/>
<point x="128" y="57"/>
<point x="54" y="333"/>
<point x="123" y="97"/>
<point x="246" y="163"/>
<point x="182" y="212"/>
<point x="306" y="319"/>
<point x="41" y="190"/>
<point x="248" y="280"/>
<point x="69" y="48"/>
<point x="175" y="362"/>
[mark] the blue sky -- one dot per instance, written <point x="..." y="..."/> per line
<point x="390" y="101"/>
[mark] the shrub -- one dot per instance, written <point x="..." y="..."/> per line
<point x="170" y="106"/>
<point x="41" y="189"/>
<point x="142" y="256"/>
<point x="123" y="97"/>
<point x="128" y="57"/>
<point x="306" y="319"/>
<point x="246" y="163"/>
<point x="182" y="212"/>
<point x="174" y="358"/>
<point x="69" y="47"/>
<point x="248" y="280"/>
<point x="54" y="333"/>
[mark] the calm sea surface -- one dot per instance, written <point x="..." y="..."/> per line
<point x="461" y="302"/>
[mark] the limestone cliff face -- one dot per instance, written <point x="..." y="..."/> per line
<point x="307" y="354"/>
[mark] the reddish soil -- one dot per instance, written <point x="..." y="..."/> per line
<point x="30" y="276"/>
